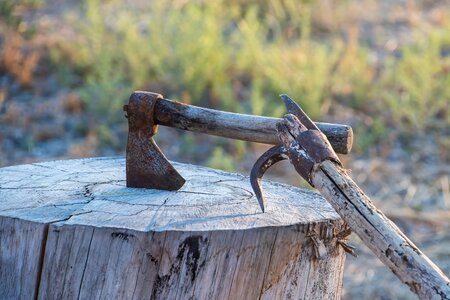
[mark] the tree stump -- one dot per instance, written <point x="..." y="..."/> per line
<point x="72" y="230"/>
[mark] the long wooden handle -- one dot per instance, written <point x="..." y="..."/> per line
<point x="239" y="126"/>
<point x="382" y="236"/>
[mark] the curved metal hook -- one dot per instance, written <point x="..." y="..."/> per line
<point x="265" y="161"/>
<point x="276" y="153"/>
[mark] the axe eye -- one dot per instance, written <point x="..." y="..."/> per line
<point x="264" y="162"/>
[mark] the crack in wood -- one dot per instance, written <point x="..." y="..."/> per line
<point x="209" y="241"/>
<point x="85" y="264"/>
<point x="263" y="288"/>
<point x="341" y="192"/>
<point x="41" y="260"/>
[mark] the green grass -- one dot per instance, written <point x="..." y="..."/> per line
<point x="10" y="14"/>
<point x="228" y="58"/>
<point x="237" y="59"/>
<point x="241" y="56"/>
<point x="416" y="87"/>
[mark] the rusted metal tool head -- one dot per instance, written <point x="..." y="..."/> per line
<point x="265" y="161"/>
<point x="311" y="147"/>
<point x="147" y="167"/>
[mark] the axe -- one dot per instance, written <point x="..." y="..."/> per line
<point x="146" y="165"/>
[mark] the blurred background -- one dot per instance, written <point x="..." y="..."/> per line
<point x="383" y="67"/>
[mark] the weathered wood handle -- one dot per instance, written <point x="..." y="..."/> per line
<point x="239" y="126"/>
<point x="382" y="236"/>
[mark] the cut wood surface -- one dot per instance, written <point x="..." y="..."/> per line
<point x="71" y="229"/>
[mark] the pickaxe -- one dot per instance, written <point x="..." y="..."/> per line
<point x="311" y="148"/>
<point x="314" y="159"/>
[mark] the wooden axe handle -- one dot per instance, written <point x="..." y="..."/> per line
<point x="239" y="126"/>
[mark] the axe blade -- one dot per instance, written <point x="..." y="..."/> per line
<point x="147" y="166"/>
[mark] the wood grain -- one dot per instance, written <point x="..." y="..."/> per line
<point x="81" y="234"/>
<point x="381" y="235"/>
<point x="21" y="250"/>
<point x="239" y="126"/>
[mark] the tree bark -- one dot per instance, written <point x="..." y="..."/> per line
<point x="71" y="229"/>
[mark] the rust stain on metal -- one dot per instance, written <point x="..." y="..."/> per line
<point x="146" y="165"/>
<point x="310" y="147"/>
<point x="264" y="162"/>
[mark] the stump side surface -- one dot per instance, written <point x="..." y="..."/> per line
<point x="92" y="192"/>
<point x="294" y="262"/>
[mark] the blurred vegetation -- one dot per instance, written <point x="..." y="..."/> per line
<point x="10" y="11"/>
<point x="416" y="87"/>
<point x="67" y="67"/>
<point x="240" y="56"/>
<point x="237" y="59"/>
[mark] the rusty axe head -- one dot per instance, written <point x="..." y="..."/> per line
<point x="147" y="167"/>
